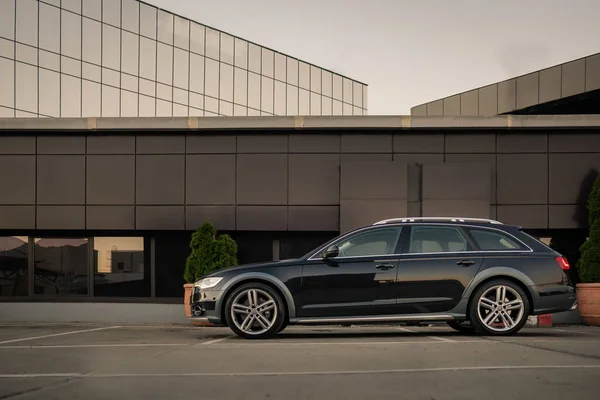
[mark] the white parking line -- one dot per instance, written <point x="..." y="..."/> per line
<point x="280" y="373"/>
<point x="579" y="332"/>
<point x="442" y="339"/>
<point x="217" y="340"/>
<point x="407" y="330"/>
<point x="85" y="346"/>
<point x="58" y="334"/>
<point x="363" y="343"/>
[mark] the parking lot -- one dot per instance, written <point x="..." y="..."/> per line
<point x="179" y="362"/>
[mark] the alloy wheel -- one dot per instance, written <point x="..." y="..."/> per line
<point x="500" y="308"/>
<point x="254" y="311"/>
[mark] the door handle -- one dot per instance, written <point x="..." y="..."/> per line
<point x="385" y="266"/>
<point x="465" y="262"/>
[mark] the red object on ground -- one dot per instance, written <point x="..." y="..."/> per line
<point x="545" y="320"/>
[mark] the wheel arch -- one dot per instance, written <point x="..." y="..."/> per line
<point x="523" y="282"/>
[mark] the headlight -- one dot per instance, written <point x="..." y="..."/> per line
<point x="207" y="283"/>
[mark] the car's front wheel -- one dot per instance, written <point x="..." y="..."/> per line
<point x="255" y="311"/>
<point x="499" y="307"/>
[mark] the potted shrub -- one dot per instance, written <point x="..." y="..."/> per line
<point x="209" y="252"/>
<point x="588" y="266"/>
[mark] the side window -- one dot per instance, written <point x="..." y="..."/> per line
<point x="488" y="240"/>
<point x="375" y="242"/>
<point x="436" y="239"/>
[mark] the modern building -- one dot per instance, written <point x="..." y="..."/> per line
<point x="125" y="58"/>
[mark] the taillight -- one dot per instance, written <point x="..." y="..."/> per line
<point x="563" y="263"/>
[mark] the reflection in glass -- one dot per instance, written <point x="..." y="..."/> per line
<point x="315" y="79"/>
<point x="280" y="102"/>
<point x="27" y="22"/>
<point x="129" y="82"/>
<point x="212" y="43"/>
<point x="225" y="108"/>
<point x="182" y="33"/>
<point x="254" y="58"/>
<point x="365" y="89"/>
<point x="304" y="75"/>
<point x="70" y="66"/>
<point x="292" y="72"/>
<point x="180" y="110"/>
<point x="326" y="106"/>
<point x="253" y="113"/>
<point x="226" y="48"/>
<point x="7" y="19"/>
<point x="111" y="51"/>
<point x="182" y="64"/>
<point x="357" y="110"/>
<point x="165" y="27"/>
<point x="347" y="91"/>
<point x="164" y="108"/>
<point x="147" y="106"/>
<point x="267" y="95"/>
<point x="211" y="85"/>
<point x="164" y="69"/>
<point x="119" y="268"/>
<point x="357" y="96"/>
<point x="90" y="99"/>
<point x="131" y="15"/>
<point x="315" y="104"/>
<point x="129" y="104"/>
<point x="292" y="100"/>
<point x="110" y="77"/>
<point x="197" y="100"/>
<point x="49" y="60"/>
<point x="72" y="5"/>
<point x="111" y="12"/>
<point x="347" y="109"/>
<point x="70" y="102"/>
<point x="92" y="9"/>
<point x="304" y="102"/>
<point x="129" y="52"/>
<point x="240" y="92"/>
<point x="337" y="87"/>
<point x="337" y="107"/>
<point x="241" y="53"/>
<point x="71" y="35"/>
<point x="110" y="101"/>
<point x="196" y="73"/>
<point x="14" y="269"/>
<point x="7" y="80"/>
<point x="147" y="21"/>
<point x="267" y="63"/>
<point x="92" y="41"/>
<point x="49" y="93"/>
<point x="164" y="92"/>
<point x="327" y="83"/>
<point x="280" y="67"/>
<point x="148" y="58"/>
<point x="211" y="104"/>
<point x="254" y="90"/>
<point x="239" y="111"/>
<point x="61" y="266"/>
<point x="147" y="87"/>
<point x="50" y="28"/>
<point x="226" y="79"/>
<point x="194" y="112"/>
<point x="197" y="33"/>
<point x="180" y="96"/>
<point x="26" y="87"/>
<point x="26" y="54"/>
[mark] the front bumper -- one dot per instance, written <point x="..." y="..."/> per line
<point x="203" y="305"/>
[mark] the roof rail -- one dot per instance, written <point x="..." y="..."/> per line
<point x="452" y="219"/>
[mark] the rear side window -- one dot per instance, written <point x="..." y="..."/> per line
<point x="436" y="239"/>
<point x="488" y="240"/>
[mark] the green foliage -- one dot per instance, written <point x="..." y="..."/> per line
<point x="210" y="252"/>
<point x="588" y="265"/>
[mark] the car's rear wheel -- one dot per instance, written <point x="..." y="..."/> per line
<point x="255" y="311"/>
<point x="462" y="326"/>
<point x="499" y="307"/>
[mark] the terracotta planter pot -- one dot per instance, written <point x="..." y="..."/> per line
<point x="588" y="302"/>
<point x="188" y="288"/>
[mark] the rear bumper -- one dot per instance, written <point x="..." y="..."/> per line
<point x="554" y="302"/>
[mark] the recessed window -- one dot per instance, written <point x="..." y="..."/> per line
<point x="14" y="252"/>
<point x="374" y="242"/>
<point x="61" y="266"/>
<point x="488" y="240"/>
<point x="436" y="239"/>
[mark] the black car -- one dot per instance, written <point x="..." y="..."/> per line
<point x="477" y="275"/>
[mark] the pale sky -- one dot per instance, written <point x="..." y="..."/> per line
<point x="411" y="51"/>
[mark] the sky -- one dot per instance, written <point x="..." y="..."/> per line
<point x="410" y="51"/>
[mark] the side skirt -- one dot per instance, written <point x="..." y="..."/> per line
<point x="373" y="319"/>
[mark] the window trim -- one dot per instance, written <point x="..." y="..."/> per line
<point x="501" y="233"/>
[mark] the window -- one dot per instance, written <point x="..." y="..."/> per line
<point x="374" y="242"/>
<point x="488" y="240"/>
<point x="436" y="239"/>
<point x="13" y="266"/>
<point x="61" y="266"/>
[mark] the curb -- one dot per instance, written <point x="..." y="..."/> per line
<point x="540" y="321"/>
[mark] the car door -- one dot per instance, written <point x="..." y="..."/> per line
<point x="436" y="266"/>
<point x="359" y="281"/>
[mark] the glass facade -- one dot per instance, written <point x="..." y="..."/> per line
<point x="124" y="58"/>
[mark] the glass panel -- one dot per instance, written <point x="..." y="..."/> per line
<point x="304" y="75"/>
<point x="7" y="83"/>
<point x="147" y="106"/>
<point x="26" y="87"/>
<point x="110" y="101"/>
<point x="27" y="22"/>
<point x="373" y="243"/>
<point x="226" y="48"/>
<point x="24" y="114"/>
<point x="180" y="111"/>
<point x="148" y="21"/>
<point x="357" y="96"/>
<point x="49" y="93"/>
<point x="129" y="52"/>
<point x="92" y="9"/>
<point x="7" y="19"/>
<point x="304" y="102"/>
<point x="164" y="92"/>
<point x="315" y="79"/>
<point x="365" y="96"/>
<point x="267" y="95"/>
<point x="267" y="63"/>
<point x="7" y="112"/>
<point x="241" y="53"/>
<point x="196" y="73"/>
<point x="211" y="104"/>
<point x="111" y="12"/>
<point x="164" y="69"/>
<point x="292" y="100"/>
<point x="494" y="241"/>
<point x="129" y="104"/>
<point x="111" y="49"/>
<point x="71" y="35"/>
<point x="326" y="106"/>
<point x="14" y="270"/>
<point x="27" y="54"/>
<point x="119" y="268"/>
<point x="194" y="112"/>
<point x="239" y="111"/>
<point x="211" y="86"/>
<point x="226" y="88"/>
<point x="148" y="58"/>
<point x="147" y="87"/>
<point x="92" y="41"/>
<point x="254" y="90"/>
<point x="70" y="66"/>
<point x="241" y="87"/>
<point x="110" y="77"/>
<point x="197" y="38"/>
<point x="197" y="100"/>
<point x="49" y="60"/>
<point x="49" y="28"/>
<point x="337" y="107"/>
<point x="337" y="87"/>
<point x="254" y="58"/>
<point x="129" y="82"/>
<point x="347" y="109"/>
<point x="180" y="96"/>
<point x="7" y="48"/>
<point x="225" y="108"/>
<point x="253" y="113"/>
<point x="326" y="83"/>
<point x="182" y="65"/>
<point x="280" y="68"/>
<point x="131" y="15"/>
<point x="210" y="114"/>
<point x="182" y="33"/>
<point x="61" y="266"/>
<point x="436" y="239"/>
<point x="70" y="102"/>
<point x="164" y="108"/>
<point x="357" y="110"/>
<point x="280" y="102"/>
<point x="292" y="71"/>
<point x="165" y="27"/>
<point x="212" y="43"/>
<point x="90" y="99"/>
<point x="347" y="91"/>
<point x="315" y="104"/>
<point x="72" y="5"/>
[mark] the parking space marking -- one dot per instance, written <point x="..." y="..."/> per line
<point x="84" y="346"/>
<point x="58" y="334"/>
<point x="242" y="343"/>
<point x="442" y="339"/>
<point x="407" y="330"/>
<point x="219" y="340"/>
<point x="579" y="332"/>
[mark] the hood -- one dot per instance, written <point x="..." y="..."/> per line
<point x="249" y="267"/>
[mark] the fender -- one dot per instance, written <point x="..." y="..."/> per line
<point x="260" y="276"/>
<point x="492" y="272"/>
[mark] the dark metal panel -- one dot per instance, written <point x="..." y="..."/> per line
<point x="419" y="111"/>
<point x="262" y="143"/>
<point x="528" y="216"/>
<point x="61" y="217"/>
<point x="574" y="142"/>
<point x="369" y="143"/>
<point x="374" y="180"/>
<point x="456" y="208"/>
<point x="159" y="217"/>
<point x="406" y="142"/>
<point x="314" y="179"/>
<point x="17" y="217"/>
<point x="160" y="179"/>
<point x="420" y="159"/>
<point x="113" y="144"/>
<point x="17" y="145"/>
<point x="17" y="179"/>
<point x="61" y="179"/>
<point x="346" y="158"/>
<point x="261" y="218"/>
<point x="110" y="217"/>
<point x="522" y="178"/>
<point x="550" y="84"/>
<point x="435" y="108"/>
<point x="488" y="100"/>
<point x="457" y="181"/>
<point x="573" y="78"/>
<point x="572" y="177"/>
<point x="470" y="143"/>
<point x="527" y="142"/>
<point x="568" y="217"/>
<point x="488" y="160"/>
<point x="61" y="145"/>
<point x="527" y="90"/>
<point x="592" y="72"/>
<point x="210" y="179"/>
<point x="314" y="218"/>
<point x="469" y="103"/>
<point x="323" y="143"/>
<point x="223" y="217"/>
<point x="160" y="144"/>
<point x="452" y="105"/>
<point x="262" y="179"/>
<point x="221" y="143"/>
<point x="110" y="179"/>
<point x="355" y="213"/>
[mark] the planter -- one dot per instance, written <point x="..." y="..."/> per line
<point x="588" y="303"/>
<point x="188" y="288"/>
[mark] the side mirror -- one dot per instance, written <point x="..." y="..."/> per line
<point x="331" y="252"/>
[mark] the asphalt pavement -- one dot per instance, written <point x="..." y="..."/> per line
<point x="42" y="361"/>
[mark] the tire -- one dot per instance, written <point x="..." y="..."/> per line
<point x="249" y="319"/>
<point x="462" y="326"/>
<point x="283" y="326"/>
<point x="508" y="317"/>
